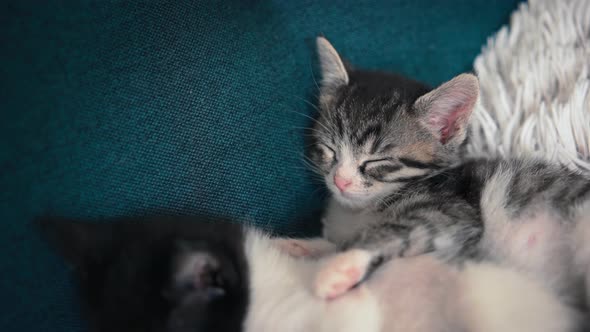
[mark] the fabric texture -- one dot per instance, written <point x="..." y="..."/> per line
<point x="119" y="108"/>
<point x="535" y="85"/>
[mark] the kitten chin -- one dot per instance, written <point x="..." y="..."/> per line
<point x="354" y="202"/>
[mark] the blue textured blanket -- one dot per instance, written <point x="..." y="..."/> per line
<point x="115" y="108"/>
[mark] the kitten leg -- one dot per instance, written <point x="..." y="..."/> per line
<point x="305" y="247"/>
<point x="341" y="272"/>
<point x="447" y="238"/>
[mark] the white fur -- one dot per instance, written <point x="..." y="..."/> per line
<point x="536" y="242"/>
<point x="535" y="85"/>
<point x="282" y="299"/>
<point x="418" y="294"/>
<point x="495" y="299"/>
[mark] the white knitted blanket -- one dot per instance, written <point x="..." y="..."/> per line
<point x="535" y="85"/>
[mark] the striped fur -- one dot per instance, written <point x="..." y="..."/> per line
<point x="403" y="189"/>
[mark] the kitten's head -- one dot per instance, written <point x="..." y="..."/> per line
<point x="170" y="275"/>
<point x="377" y="131"/>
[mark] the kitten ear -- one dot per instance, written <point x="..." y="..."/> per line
<point x="80" y="243"/>
<point x="334" y="72"/>
<point x="446" y="110"/>
<point x="198" y="275"/>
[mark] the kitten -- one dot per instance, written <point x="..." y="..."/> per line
<point x="183" y="275"/>
<point x="389" y="150"/>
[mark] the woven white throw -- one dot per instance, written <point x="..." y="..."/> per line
<point x="535" y="85"/>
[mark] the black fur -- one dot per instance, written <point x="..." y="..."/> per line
<point x="126" y="273"/>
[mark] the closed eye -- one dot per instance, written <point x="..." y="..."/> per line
<point x="327" y="152"/>
<point x="413" y="163"/>
<point x="383" y="165"/>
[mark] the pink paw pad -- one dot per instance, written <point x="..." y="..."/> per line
<point x="341" y="273"/>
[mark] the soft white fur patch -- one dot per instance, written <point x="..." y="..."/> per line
<point x="535" y="243"/>
<point x="496" y="299"/>
<point x="418" y="294"/>
<point x="535" y="84"/>
<point x="282" y="298"/>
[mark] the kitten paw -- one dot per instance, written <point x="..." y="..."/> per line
<point x="293" y="247"/>
<point x="341" y="273"/>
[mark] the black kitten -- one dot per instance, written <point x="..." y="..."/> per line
<point x="170" y="274"/>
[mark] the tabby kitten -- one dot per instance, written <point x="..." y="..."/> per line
<point x="388" y="148"/>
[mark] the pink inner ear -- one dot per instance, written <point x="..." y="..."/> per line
<point x="448" y="123"/>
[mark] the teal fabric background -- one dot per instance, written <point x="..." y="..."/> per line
<point x="118" y="108"/>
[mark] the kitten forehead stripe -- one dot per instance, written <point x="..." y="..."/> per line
<point x="371" y="131"/>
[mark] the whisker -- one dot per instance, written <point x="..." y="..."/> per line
<point x="312" y="119"/>
<point x="310" y="164"/>
<point x="313" y="75"/>
<point x="309" y="129"/>
<point x="314" y="169"/>
<point x="315" y="107"/>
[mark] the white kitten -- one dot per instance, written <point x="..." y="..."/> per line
<point x="292" y="293"/>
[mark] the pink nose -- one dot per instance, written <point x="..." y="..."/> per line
<point x="341" y="182"/>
